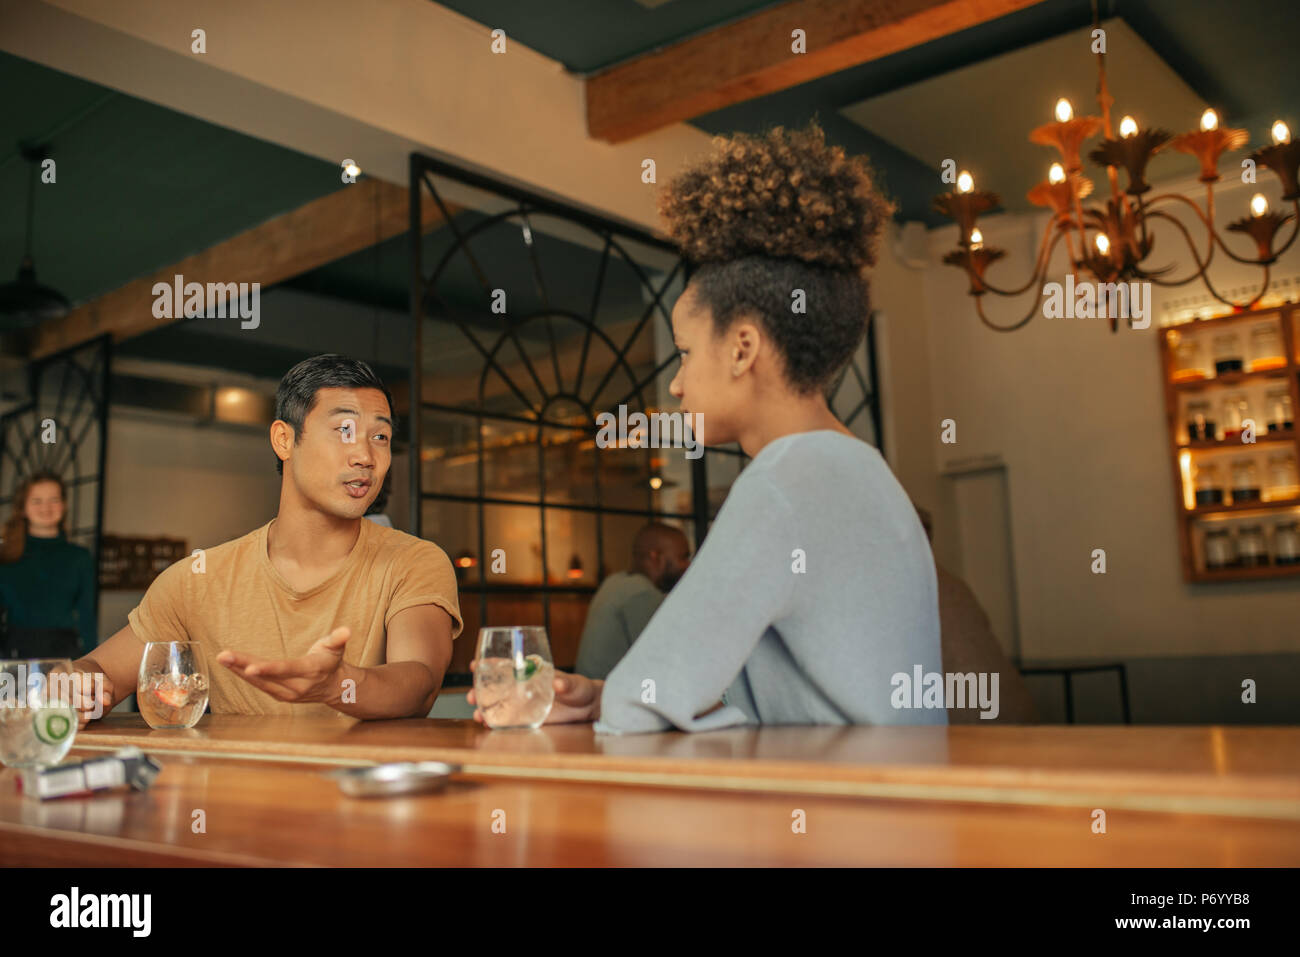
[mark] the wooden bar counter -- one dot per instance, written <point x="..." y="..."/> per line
<point x="998" y="796"/>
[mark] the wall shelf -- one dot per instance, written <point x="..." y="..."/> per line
<point x="1185" y="453"/>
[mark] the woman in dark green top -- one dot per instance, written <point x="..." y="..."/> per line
<point x="47" y="585"/>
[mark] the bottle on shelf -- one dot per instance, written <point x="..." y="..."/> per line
<point x="1277" y="402"/>
<point x="1189" y="360"/>
<point x="1251" y="550"/>
<point x="1220" y="552"/>
<point x="1200" y="423"/>
<point x="1283" y="482"/>
<point x="1227" y="353"/>
<point x="1236" y="410"/>
<point x="1245" y="480"/>
<point x="1209" y="485"/>
<point x="1266" y="350"/>
<point x="1286" y="542"/>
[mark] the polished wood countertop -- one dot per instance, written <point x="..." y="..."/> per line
<point x="964" y="796"/>
<point x="1242" y="771"/>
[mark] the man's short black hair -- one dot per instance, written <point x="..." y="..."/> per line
<point x="296" y="394"/>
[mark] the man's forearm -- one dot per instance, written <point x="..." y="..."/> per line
<point x="402" y="689"/>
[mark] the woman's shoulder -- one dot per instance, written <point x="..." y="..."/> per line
<point x="807" y="458"/>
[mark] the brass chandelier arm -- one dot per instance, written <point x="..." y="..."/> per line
<point x="1203" y="275"/>
<point x="1040" y="270"/>
<point x="1215" y="239"/>
<point x="1201" y="267"/>
<point x="1051" y="236"/>
<point x="979" y="310"/>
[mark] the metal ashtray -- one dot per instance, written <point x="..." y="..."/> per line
<point x="385" y="780"/>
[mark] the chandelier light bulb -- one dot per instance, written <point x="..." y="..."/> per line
<point x="1281" y="134"/>
<point x="1103" y="244"/>
<point x="1127" y="127"/>
<point x="965" y="182"/>
<point x="1209" y="120"/>
<point x="976" y="239"/>
<point x="1064" y="112"/>
<point x="1056" y="174"/>
<point x="1258" y="205"/>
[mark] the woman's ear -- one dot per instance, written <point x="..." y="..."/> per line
<point x="746" y="343"/>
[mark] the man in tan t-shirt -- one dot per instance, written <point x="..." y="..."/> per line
<point x="318" y="611"/>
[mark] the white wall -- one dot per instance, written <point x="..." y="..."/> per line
<point x="1077" y="414"/>
<point x="206" y="485"/>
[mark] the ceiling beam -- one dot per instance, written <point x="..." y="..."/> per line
<point x="346" y="221"/>
<point x="753" y="57"/>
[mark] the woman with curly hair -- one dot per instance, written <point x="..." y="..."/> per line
<point x="816" y="583"/>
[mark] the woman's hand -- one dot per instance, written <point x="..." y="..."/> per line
<point x="576" y="699"/>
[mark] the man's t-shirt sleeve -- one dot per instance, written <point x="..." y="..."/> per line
<point x="427" y="579"/>
<point x="162" y="613"/>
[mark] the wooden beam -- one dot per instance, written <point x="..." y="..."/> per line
<point x="753" y="57"/>
<point x="351" y="218"/>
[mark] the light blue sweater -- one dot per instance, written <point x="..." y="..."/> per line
<point x="814" y="587"/>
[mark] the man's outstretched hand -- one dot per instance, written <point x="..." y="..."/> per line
<point x="316" y="676"/>
<point x="577" y="698"/>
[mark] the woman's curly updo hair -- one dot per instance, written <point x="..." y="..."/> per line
<point x="763" y="216"/>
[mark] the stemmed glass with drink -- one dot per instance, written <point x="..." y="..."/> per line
<point x="172" y="691"/>
<point x="514" y="677"/>
<point x="37" y="719"/>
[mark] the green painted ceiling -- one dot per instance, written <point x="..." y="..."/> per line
<point x="140" y="186"/>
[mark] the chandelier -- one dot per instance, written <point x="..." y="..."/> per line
<point x="1112" y="244"/>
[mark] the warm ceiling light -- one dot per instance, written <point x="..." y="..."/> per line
<point x="656" y="482"/>
<point x="1123" y="215"/>
<point x="965" y="182"/>
<point x="976" y="239"/>
<point x="1258" y="205"/>
<point x="352" y="169"/>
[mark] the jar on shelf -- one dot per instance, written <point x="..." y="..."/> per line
<point x="1227" y="353"/>
<point x="1235" y="411"/>
<point x="1209" y="485"/>
<point x="1220" y="552"/>
<point x="1277" y="407"/>
<point x="1245" y="480"/>
<point x="1266" y="350"/>
<point x="1286" y="542"/>
<point x="1189" y="359"/>
<point x="1200" y="421"/>
<point x="1283" y="482"/>
<point x="1251" y="550"/>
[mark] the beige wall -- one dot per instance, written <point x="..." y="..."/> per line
<point x="206" y="485"/>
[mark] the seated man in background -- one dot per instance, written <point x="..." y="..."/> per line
<point x="318" y="611"/>
<point x="967" y="644"/>
<point x="625" y="601"/>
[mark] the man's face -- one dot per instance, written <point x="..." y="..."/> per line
<point x="341" y="455"/>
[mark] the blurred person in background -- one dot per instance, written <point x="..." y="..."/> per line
<point x="625" y="601"/>
<point x="47" y="584"/>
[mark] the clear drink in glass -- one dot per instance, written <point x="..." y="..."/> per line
<point x="38" y="721"/>
<point x="514" y="679"/>
<point x="173" y="685"/>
